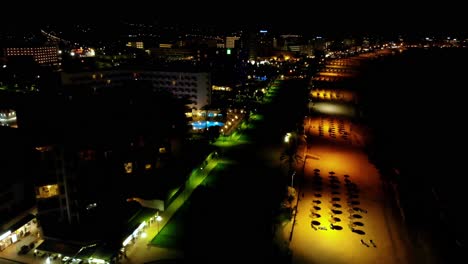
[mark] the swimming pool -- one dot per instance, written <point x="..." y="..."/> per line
<point x="205" y="124"/>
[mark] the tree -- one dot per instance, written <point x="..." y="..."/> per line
<point x="291" y="158"/>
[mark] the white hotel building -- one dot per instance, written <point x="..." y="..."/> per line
<point x="196" y="86"/>
<point x="42" y="55"/>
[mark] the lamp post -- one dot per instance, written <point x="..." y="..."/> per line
<point x="292" y="179"/>
<point x="158" y="219"/>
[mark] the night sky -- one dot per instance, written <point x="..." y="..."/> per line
<point x="318" y="17"/>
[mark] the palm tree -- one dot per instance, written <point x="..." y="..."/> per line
<point x="291" y="158"/>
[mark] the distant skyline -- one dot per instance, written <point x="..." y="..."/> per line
<point x="322" y="17"/>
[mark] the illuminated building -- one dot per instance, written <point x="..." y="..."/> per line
<point x="87" y="52"/>
<point x="258" y="44"/>
<point x="8" y="118"/>
<point x="221" y="88"/>
<point x="42" y="55"/>
<point x="231" y="42"/>
<point x="81" y="186"/>
<point x="13" y="232"/>
<point x="171" y="54"/>
<point x="54" y="188"/>
<point x="135" y="44"/>
<point x="71" y="182"/>
<point x="165" y="46"/>
<point x="194" y="86"/>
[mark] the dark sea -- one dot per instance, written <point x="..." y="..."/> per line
<point x="416" y="102"/>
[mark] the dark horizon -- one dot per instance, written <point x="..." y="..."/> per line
<point x="320" y="18"/>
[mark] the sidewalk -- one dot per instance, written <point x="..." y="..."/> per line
<point x="10" y="254"/>
<point x="143" y="251"/>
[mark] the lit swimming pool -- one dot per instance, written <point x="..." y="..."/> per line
<point x="205" y="124"/>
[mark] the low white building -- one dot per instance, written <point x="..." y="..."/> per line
<point x="196" y="86"/>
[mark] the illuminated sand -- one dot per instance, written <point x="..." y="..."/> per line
<point x="336" y="74"/>
<point x="344" y="246"/>
<point x="334" y="129"/>
<point x="336" y="219"/>
<point x="333" y="95"/>
<point x="332" y="108"/>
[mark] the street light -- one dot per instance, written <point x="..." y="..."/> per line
<point x="292" y="179"/>
<point x="158" y="219"/>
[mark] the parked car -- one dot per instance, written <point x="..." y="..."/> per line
<point x="24" y="249"/>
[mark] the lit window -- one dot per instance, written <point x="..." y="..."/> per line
<point x="128" y="167"/>
<point x="47" y="191"/>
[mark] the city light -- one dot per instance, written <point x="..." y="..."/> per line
<point x="334" y="109"/>
<point x="150" y="111"/>
<point x="98" y="261"/>
<point x="127" y="240"/>
<point x="5" y="235"/>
